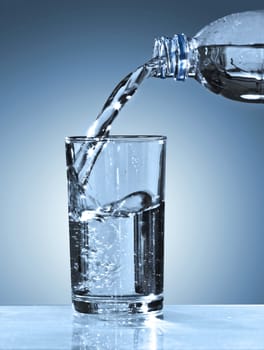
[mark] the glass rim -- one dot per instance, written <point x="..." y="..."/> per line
<point x="122" y="138"/>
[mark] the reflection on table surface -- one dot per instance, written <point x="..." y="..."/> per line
<point x="181" y="327"/>
<point x="93" y="332"/>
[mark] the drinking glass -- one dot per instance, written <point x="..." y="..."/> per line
<point x="116" y="223"/>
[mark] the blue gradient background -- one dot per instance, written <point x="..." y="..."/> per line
<point x="59" y="61"/>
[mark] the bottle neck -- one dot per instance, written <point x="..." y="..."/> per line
<point x="176" y="57"/>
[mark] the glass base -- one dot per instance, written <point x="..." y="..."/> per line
<point x="120" y="306"/>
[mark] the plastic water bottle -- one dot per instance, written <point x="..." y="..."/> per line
<point x="226" y="56"/>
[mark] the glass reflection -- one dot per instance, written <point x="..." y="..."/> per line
<point x="95" y="332"/>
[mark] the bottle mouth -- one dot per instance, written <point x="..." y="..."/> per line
<point x="172" y="55"/>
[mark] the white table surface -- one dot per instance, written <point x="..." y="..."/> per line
<point x="182" y="327"/>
